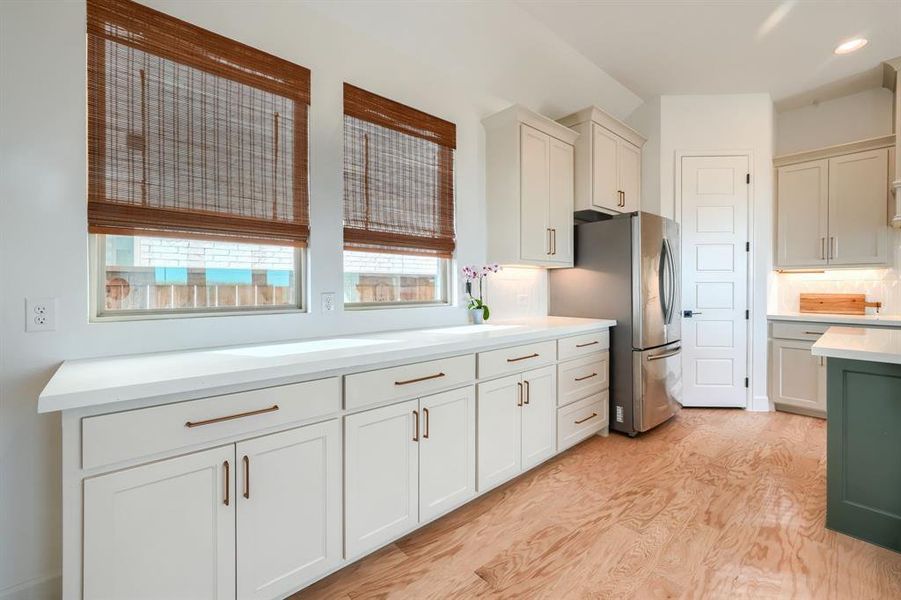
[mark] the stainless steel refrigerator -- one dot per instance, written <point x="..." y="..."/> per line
<point x="627" y="268"/>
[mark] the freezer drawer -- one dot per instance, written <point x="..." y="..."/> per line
<point x="657" y="385"/>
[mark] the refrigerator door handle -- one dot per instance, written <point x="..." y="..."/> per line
<point x="671" y="265"/>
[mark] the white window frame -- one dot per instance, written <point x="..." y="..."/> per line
<point x="445" y="278"/>
<point x="97" y="257"/>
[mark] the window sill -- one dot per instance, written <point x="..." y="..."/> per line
<point x="160" y="315"/>
<point x="361" y="306"/>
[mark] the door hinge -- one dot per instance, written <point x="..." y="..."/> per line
<point x="746" y="382"/>
<point x="747" y="246"/>
<point x="747" y="314"/>
<point x="748" y="178"/>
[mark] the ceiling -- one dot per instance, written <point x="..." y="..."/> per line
<point x="657" y="47"/>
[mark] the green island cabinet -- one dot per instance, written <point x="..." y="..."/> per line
<point x="864" y="450"/>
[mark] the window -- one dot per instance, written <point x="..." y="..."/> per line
<point x="398" y="202"/>
<point x="197" y="144"/>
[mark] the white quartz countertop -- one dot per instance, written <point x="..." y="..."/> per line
<point x="863" y="320"/>
<point x="171" y="376"/>
<point x="873" y="344"/>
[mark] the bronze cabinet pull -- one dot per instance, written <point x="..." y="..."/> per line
<point x="587" y="344"/>
<point x="593" y="415"/>
<point x="249" y="413"/>
<point x="246" y="476"/>
<point x="416" y="426"/>
<point x="418" y="379"/>
<point x="425" y="415"/>
<point x="519" y="358"/>
<point x="813" y="332"/>
<point x="528" y="392"/>
<point x="227" y="483"/>
<point x="586" y="377"/>
<point x="553" y="241"/>
<point x="519" y="394"/>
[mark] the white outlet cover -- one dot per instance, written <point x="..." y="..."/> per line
<point x="40" y="314"/>
<point x="328" y="301"/>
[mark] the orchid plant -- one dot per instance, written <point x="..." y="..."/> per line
<point x="471" y="274"/>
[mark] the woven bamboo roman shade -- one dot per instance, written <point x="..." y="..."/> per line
<point x="398" y="177"/>
<point x="191" y="134"/>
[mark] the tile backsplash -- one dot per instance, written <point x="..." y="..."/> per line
<point x="883" y="285"/>
<point x="517" y="293"/>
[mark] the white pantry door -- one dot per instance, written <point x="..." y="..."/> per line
<point x="714" y="217"/>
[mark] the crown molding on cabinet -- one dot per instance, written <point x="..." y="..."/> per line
<point x="605" y="120"/>
<point x="521" y="114"/>
<point x="885" y="141"/>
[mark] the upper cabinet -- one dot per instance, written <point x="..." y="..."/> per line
<point x="833" y="210"/>
<point x="608" y="162"/>
<point x="529" y="189"/>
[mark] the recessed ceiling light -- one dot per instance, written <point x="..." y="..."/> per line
<point x="850" y="46"/>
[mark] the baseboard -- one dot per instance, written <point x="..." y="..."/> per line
<point x="760" y="404"/>
<point x="44" y="588"/>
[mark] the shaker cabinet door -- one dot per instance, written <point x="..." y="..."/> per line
<point x="499" y="429"/>
<point x="535" y="233"/>
<point x="858" y="225"/>
<point x="163" y="530"/>
<point x="605" y="169"/>
<point x="629" y="176"/>
<point x="539" y="416"/>
<point x="802" y="214"/>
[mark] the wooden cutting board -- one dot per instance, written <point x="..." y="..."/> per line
<point x="839" y="304"/>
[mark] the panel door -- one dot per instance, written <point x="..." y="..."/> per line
<point x="714" y="216"/>
<point x="535" y="234"/>
<point x="289" y="509"/>
<point x="447" y="451"/>
<point x="605" y="169"/>
<point x="498" y="431"/>
<point x="802" y="214"/>
<point x="163" y="530"/>
<point x="539" y="416"/>
<point x="560" y="209"/>
<point x="797" y="375"/>
<point x="630" y="176"/>
<point x="858" y="228"/>
<point x="381" y="476"/>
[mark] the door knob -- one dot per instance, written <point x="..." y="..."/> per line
<point x="689" y="313"/>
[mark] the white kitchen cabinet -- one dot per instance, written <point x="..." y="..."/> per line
<point x="858" y="228"/>
<point x="381" y="475"/>
<point x="539" y="416"/>
<point x="447" y="451"/>
<point x="529" y="189"/>
<point x="798" y="377"/>
<point x="516" y="424"/>
<point x="288" y="509"/>
<point x="832" y="211"/>
<point x="162" y="530"/>
<point x="607" y="162"/>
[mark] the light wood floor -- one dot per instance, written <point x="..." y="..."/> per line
<point x="717" y="503"/>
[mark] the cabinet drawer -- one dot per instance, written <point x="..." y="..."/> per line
<point x="581" y="420"/>
<point x="799" y="331"/>
<point x="581" y="345"/>
<point x="515" y="359"/>
<point x="407" y="381"/>
<point x="112" y="438"/>
<point x="582" y="377"/>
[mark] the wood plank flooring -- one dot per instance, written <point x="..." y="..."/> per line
<point x="717" y="503"/>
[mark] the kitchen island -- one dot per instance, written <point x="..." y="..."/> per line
<point x="864" y="432"/>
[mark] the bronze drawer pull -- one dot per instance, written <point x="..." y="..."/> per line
<point x="418" y="379"/>
<point x="425" y="415"/>
<point x="586" y="377"/>
<point x="533" y="355"/>
<point x="593" y="415"/>
<point x="519" y="394"/>
<point x="249" y="413"/>
<point x="416" y="426"/>
<point x="528" y="392"/>
<point x="227" y="483"/>
<point x="587" y="344"/>
<point x="246" y="476"/>
<point x="814" y="332"/>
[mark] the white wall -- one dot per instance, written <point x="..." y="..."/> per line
<point x="712" y="123"/>
<point x="866" y="114"/>
<point x="43" y="234"/>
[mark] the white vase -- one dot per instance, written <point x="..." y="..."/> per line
<point x="477" y="316"/>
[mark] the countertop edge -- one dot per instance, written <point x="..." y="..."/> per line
<point x="176" y="390"/>
<point x="868" y="320"/>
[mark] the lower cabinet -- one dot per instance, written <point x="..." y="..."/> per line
<point x="798" y="377"/>
<point x="407" y="463"/>
<point x="169" y="529"/>
<point x="516" y="424"/>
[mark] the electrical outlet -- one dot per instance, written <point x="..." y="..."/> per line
<point x="40" y="314"/>
<point x="328" y="302"/>
<point x="522" y="300"/>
